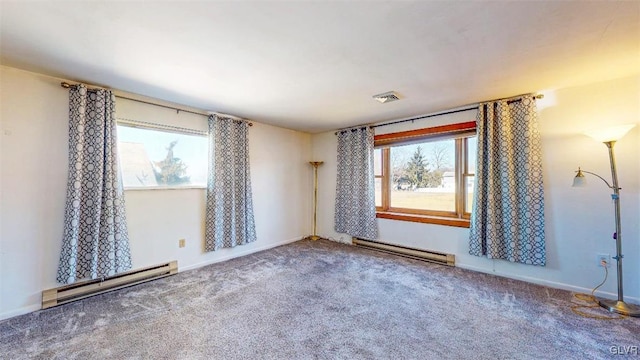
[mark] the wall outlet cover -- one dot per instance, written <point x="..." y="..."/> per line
<point x="604" y="257"/>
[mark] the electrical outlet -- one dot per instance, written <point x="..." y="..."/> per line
<point x="181" y="243"/>
<point x="604" y="258"/>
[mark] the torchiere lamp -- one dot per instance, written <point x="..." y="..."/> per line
<point x="609" y="137"/>
<point x="315" y="165"/>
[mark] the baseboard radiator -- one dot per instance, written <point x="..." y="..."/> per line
<point x="425" y="255"/>
<point x="84" y="289"/>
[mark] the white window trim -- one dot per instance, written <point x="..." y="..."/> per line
<point x="166" y="128"/>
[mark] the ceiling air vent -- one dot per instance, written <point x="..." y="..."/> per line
<point x="389" y="96"/>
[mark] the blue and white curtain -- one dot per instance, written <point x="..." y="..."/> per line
<point x="507" y="221"/>
<point x="229" y="209"/>
<point x="96" y="241"/>
<point x="355" y="188"/>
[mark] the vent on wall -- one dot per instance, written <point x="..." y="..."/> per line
<point x="425" y="255"/>
<point x="84" y="289"/>
<point x="387" y="97"/>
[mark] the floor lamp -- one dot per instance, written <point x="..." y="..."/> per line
<point x="315" y="165"/>
<point x="609" y="137"/>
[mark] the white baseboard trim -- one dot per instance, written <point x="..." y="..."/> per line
<point x="551" y="284"/>
<point x="31" y="308"/>
<point x="235" y="254"/>
<point x="20" y="311"/>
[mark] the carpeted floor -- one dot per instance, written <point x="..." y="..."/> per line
<point x="320" y="300"/>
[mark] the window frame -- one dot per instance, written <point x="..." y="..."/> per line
<point x="143" y="125"/>
<point x="460" y="132"/>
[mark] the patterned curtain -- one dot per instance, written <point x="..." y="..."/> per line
<point x="507" y="221"/>
<point x="355" y="190"/>
<point x="96" y="241"/>
<point x="229" y="213"/>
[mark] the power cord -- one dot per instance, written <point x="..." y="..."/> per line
<point x="592" y="302"/>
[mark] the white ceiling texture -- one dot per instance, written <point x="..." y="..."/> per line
<point x="314" y="66"/>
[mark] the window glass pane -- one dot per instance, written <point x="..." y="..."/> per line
<point x="423" y="176"/>
<point x="472" y="152"/>
<point x="153" y="158"/>
<point x="469" y="182"/>
<point x="377" y="162"/>
<point x="378" y="183"/>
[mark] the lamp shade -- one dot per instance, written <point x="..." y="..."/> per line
<point x="613" y="133"/>
<point x="579" y="180"/>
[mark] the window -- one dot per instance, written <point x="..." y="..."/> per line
<point x="426" y="175"/>
<point x="160" y="158"/>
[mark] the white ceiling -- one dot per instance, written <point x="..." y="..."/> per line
<point x="313" y="66"/>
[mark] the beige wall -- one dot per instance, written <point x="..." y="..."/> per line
<point x="33" y="164"/>
<point x="579" y="221"/>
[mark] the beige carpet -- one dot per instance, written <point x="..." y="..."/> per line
<point x="319" y="300"/>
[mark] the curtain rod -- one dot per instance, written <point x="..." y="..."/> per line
<point x="469" y="107"/>
<point x="66" y="85"/>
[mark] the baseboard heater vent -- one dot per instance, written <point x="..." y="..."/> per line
<point x="426" y="255"/>
<point x="84" y="289"/>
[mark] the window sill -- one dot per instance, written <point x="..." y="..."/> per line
<point x="189" y="187"/>
<point x="465" y="223"/>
